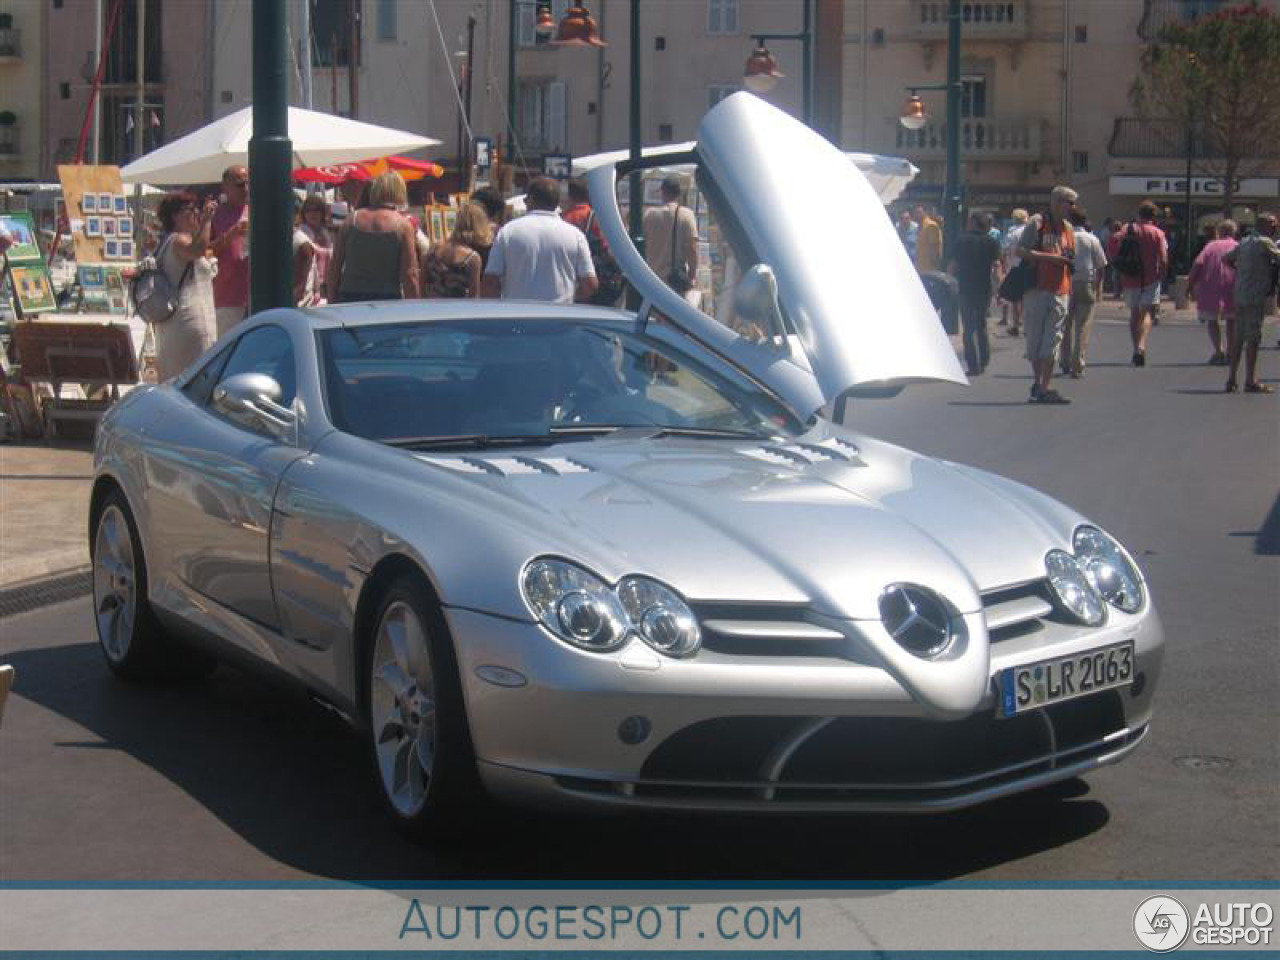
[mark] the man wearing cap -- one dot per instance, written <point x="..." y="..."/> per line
<point x="1049" y="242"/>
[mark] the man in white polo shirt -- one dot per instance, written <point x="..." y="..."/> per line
<point x="539" y="256"/>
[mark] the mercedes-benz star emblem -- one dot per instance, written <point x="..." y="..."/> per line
<point x="916" y="619"/>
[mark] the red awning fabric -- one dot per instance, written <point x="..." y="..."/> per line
<point x="368" y="169"/>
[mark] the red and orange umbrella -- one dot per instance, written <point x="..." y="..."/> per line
<point x="336" y="173"/>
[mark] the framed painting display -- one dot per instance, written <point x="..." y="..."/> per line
<point x="23" y="231"/>
<point x="33" y="289"/>
<point x="89" y="203"/>
<point x="120" y="204"/>
<point x="106" y="203"/>
<point x="124" y="227"/>
<point x="111" y="249"/>
<point x="108" y="226"/>
<point x="450" y="222"/>
<point x="437" y="224"/>
<point x="126" y="249"/>
<point x="93" y="226"/>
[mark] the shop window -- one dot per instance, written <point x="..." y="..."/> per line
<point x="1079" y="161"/>
<point x="119" y="119"/>
<point x="542" y="115"/>
<point x="722" y="16"/>
<point x="122" y="55"/>
<point x="335" y="33"/>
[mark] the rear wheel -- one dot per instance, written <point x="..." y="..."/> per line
<point x="419" y="742"/>
<point x="133" y="642"/>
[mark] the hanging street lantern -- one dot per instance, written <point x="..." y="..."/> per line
<point x="578" y="29"/>
<point x="762" y="73"/>
<point x="913" y="115"/>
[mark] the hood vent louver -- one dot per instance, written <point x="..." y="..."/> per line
<point x="508" y="466"/>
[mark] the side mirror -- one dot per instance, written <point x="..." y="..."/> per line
<point x="253" y="399"/>
<point x="755" y="302"/>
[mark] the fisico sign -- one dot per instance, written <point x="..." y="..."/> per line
<point x="1158" y="185"/>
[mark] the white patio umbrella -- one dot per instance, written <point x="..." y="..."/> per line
<point x="318" y="139"/>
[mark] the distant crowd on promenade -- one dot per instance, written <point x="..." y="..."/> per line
<point x="1043" y="274"/>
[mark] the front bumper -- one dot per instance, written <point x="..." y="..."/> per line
<point x="784" y="734"/>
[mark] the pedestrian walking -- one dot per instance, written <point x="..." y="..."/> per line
<point x="671" y="240"/>
<point x="1257" y="264"/>
<point x="375" y="255"/>
<point x="928" y="242"/>
<point x="1140" y="253"/>
<point x="1103" y="233"/>
<point x="312" y="248"/>
<point x="495" y="209"/>
<point x="1012" y="313"/>
<point x="609" y="278"/>
<point x="1086" y="291"/>
<point x="539" y="256"/>
<point x="1211" y="284"/>
<point x="908" y="232"/>
<point x="193" y="327"/>
<point x="1049" y="242"/>
<point x="229" y="238"/>
<point x="451" y="268"/>
<point x="975" y="264"/>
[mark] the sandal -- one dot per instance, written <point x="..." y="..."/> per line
<point x="1256" y="387"/>
<point x="1231" y="386"/>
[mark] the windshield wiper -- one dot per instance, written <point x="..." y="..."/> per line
<point x="481" y="441"/>
<point x="711" y="432"/>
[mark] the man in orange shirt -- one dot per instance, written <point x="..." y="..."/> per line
<point x="1049" y="243"/>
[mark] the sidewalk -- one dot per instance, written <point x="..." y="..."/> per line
<point x="44" y="510"/>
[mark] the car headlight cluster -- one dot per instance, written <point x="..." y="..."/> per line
<point x="1099" y="573"/>
<point x="583" y="610"/>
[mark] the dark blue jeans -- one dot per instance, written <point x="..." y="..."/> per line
<point x="977" y="345"/>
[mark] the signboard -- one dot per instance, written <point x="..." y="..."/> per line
<point x="101" y="225"/>
<point x="1159" y="185"/>
<point x="557" y="165"/>
<point x="484" y="154"/>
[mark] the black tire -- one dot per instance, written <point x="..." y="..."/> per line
<point x="138" y="649"/>
<point x="452" y="793"/>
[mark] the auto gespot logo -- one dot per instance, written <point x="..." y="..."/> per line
<point x="1162" y="924"/>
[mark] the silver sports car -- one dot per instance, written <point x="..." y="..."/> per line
<point x="615" y="559"/>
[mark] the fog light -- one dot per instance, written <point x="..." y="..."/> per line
<point x="634" y="730"/>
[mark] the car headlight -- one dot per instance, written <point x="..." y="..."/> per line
<point x="575" y="605"/>
<point x="1072" y="588"/>
<point x="1108" y="568"/>
<point x="663" y="620"/>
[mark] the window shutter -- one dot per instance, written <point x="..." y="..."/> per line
<point x="730" y="16"/>
<point x="386" y="19"/>
<point x="525" y="35"/>
<point x="713" y="16"/>
<point x="556" y="138"/>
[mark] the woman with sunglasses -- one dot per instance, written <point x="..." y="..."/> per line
<point x="193" y="327"/>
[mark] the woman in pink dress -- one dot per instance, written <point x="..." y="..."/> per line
<point x="312" y="246"/>
<point x="1211" y="283"/>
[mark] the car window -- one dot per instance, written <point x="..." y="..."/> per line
<point x="200" y="385"/>
<point x="521" y="378"/>
<point x="266" y="350"/>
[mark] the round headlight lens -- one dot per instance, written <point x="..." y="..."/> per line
<point x="662" y="618"/>
<point x="1108" y="568"/>
<point x="1072" y="588"/>
<point x="575" y="605"/>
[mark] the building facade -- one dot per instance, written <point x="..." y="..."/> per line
<point x="21" y="75"/>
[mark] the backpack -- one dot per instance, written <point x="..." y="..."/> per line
<point x="1128" y="261"/>
<point x="155" y="298"/>
<point x="608" y="273"/>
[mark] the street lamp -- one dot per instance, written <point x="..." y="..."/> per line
<point x="914" y="118"/>
<point x="762" y="74"/>
<point x="578" y="29"/>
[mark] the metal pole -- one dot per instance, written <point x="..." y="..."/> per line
<point x="951" y="199"/>
<point x="353" y="53"/>
<point x="636" y="204"/>
<point x="513" y="24"/>
<point x="1191" y="147"/>
<point x="97" y="101"/>
<point x="806" y="64"/>
<point x="471" y="52"/>
<point x="138" y="140"/>
<point x="270" y="156"/>
<point x="305" y="40"/>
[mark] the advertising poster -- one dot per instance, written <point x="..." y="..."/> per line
<point x="32" y="287"/>
<point x="25" y="248"/>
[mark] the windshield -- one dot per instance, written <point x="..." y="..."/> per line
<point x="486" y="378"/>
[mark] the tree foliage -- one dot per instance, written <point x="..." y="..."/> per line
<point x="1219" y="76"/>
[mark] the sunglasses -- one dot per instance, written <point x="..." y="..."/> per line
<point x="237" y="183"/>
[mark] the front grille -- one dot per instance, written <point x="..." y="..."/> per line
<point x="1016" y="610"/>
<point x="766" y="630"/>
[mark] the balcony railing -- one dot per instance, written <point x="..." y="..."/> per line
<point x="10" y="44"/>
<point x="994" y="139"/>
<point x="979" y="21"/>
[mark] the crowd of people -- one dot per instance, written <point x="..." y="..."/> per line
<point x="1046" y="273"/>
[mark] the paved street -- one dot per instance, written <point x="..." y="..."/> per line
<point x="233" y="780"/>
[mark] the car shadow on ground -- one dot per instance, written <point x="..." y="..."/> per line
<point x="291" y="780"/>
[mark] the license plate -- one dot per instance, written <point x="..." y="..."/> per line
<point x="1036" y="685"/>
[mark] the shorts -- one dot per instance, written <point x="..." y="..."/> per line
<point x="1249" y="322"/>
<point x="1044" y="315"/>
<point x="1141" y="297"/>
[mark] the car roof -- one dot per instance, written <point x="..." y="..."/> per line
<point x="435" y="311"/>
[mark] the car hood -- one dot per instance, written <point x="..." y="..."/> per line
<point x="856" y="314"/>
<point x="827" y="521"/>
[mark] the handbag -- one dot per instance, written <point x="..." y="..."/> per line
<point x="1017" y="282"/>
<point x="155" y="298"/>
<point x="678" y="279"/>
<point x="608" y="273"/>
